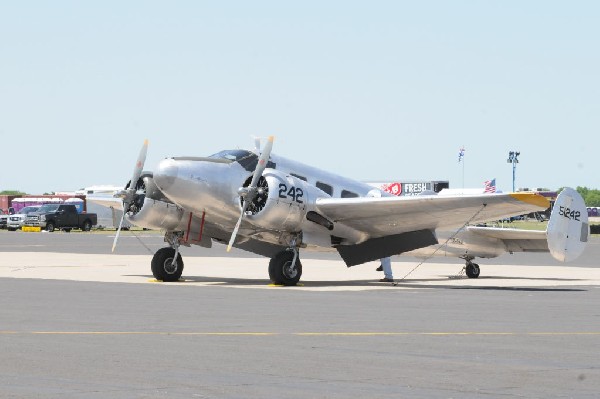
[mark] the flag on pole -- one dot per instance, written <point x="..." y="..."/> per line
<point x="461" y="153"/>
<point x="490" y="186"/>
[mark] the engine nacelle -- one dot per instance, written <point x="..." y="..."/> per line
<point x="282" y="201"/>
<point x="157" y="215"/>
<point x="155" y="210"/>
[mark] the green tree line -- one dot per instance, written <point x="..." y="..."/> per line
<point x="12" y="192"/>
<point x="591" y="197"/>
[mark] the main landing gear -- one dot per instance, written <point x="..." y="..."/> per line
<point x="285" y="268"/>
<point x="167" y="264"/>
<point x="471" y="269"/>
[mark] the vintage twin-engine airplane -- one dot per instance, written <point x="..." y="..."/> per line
<point x="273" y="206"/>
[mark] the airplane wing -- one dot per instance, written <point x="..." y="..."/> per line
<point x="508" y="233"/>
<point x="109" y="202"/>
<point x="378" y="217"/>
<point x="515" y="240"/>
<point x="484" y="242"/>
<point x="399" y="224"/>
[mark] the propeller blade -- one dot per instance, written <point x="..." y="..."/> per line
<point x="260" y="168"/>
<point x="256" y="143"/>
<point x="139" y="166"/>
<point x="237" y="227"/>
<point x="262" y="163"/>
<point x="130" y="192"/>
<point x="118" y="232"/>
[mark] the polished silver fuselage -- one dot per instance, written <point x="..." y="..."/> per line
<point x="204" y="192"/>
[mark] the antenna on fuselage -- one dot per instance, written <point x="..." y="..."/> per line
<point x="256" y="143"/>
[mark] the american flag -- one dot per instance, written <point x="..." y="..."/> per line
<point x="490" y="186"/>
<point x="461" y="153"/>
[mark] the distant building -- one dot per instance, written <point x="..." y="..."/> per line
<point x="403" y="188"/>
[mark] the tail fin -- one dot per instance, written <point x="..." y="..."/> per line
<point x="568" y="229"/>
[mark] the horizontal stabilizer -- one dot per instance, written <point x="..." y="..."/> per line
<point x="568" y="227"/>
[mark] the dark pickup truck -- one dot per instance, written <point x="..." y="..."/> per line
<point x="61" y="216"/>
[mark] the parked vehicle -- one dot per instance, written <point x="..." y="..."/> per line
<point x="4" y="217"/>
<point x="61" y="216"/>
<point x="17" y="220"/>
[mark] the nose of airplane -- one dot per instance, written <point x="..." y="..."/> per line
<point x="166" y="173"/>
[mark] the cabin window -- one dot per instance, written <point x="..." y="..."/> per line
<point x="298" y="176"/>
<point x="348" y="194"/>
<point x="325" y="187"/>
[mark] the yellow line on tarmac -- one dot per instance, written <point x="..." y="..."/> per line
<point x="382" y="334"/>
<point x="146" y="333"/>
<point x="305" y="334"/>
<point x="458" y="333"/>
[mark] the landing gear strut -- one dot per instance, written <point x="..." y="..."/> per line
<point x="167" y="264"/>
<point x="285" y="268"/>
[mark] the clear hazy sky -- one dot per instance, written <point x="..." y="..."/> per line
<point x="375" y="90"/>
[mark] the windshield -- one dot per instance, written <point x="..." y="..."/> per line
<point x="233" y="155"/>
<point x="247" y="159"/>
<point x="28" y="209"/>
<point x="48" y="208"/>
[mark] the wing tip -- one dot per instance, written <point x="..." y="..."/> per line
<point x="532" y="198"/>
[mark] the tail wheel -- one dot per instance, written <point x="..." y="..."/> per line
<point x="162" y="265"/>
<point x="472" y="270"/>
<point x="281" y="270"/>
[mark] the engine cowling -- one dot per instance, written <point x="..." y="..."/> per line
<point x="282" y="201"/>
<point x="151" y="209"/>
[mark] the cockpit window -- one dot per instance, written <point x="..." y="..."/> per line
<point x="247" y="159"/>
<point x="233" y="155"/>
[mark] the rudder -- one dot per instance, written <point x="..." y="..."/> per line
<point x="568" y="228"/>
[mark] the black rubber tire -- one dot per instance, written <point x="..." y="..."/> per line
<point x="280" y="272"/>
<point x="50" y="227"/>
<point x="87" y="225"/>
<point x="472" y="270"/>
<point x="161" y="265"/>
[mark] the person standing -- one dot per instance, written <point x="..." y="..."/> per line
<point x="386" y="267"/>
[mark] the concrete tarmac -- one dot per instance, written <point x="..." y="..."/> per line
<point x="78" y="322"/>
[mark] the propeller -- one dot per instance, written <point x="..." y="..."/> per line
<point x="128" y="194"/>
<point x="248" y="193"/>
<point x="256" y="143"/>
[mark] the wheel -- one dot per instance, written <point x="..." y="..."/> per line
<point x="162" y="267"/>
<point x="87" y="225"/>
<point x="472" y="270"/>
<point x="281" y="270"/>
<point x="50" y="227"/>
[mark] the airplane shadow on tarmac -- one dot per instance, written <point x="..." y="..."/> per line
<point x="416" y="284"/>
